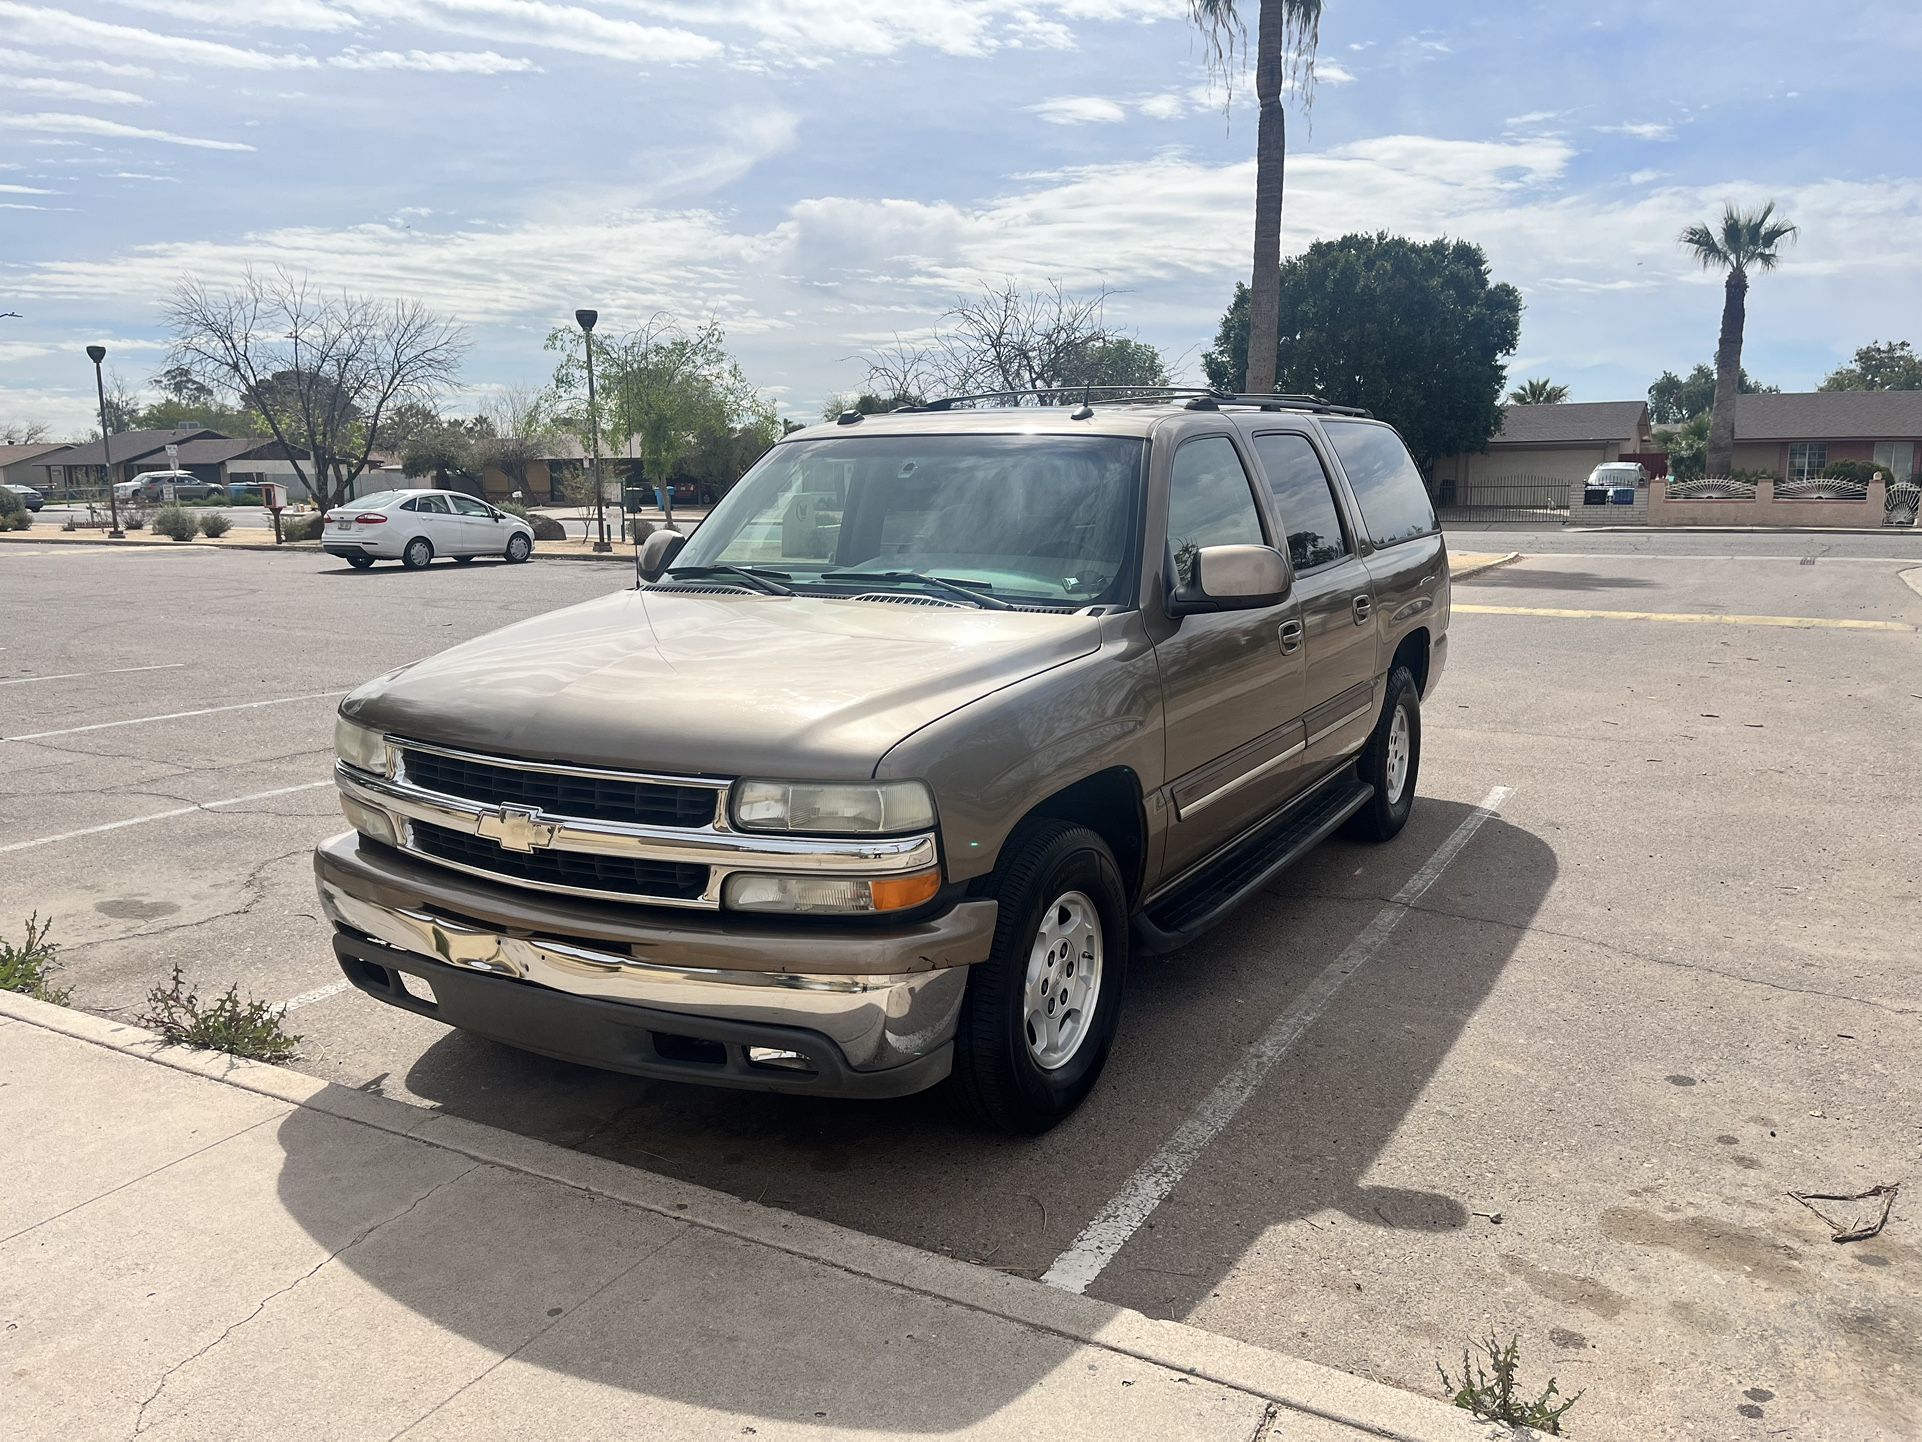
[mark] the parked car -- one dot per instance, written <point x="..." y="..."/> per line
<point x="413" y="527"/>
<point x="30" y="498"/>
<point x="1613" y="483"/>
<point x="884" y="777"/>
<point x="169" y="486"/>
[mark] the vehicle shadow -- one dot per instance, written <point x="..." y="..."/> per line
<point x="1307" y="1142"/>
<point x="395" y="568"/>
<point x="1509" y="578"/>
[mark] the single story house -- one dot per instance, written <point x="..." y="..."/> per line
<point x="19" y="464"/>
<point x="1548" y="444"/>
<point x="1794" y="436"/>
<point x="208" y="454"/>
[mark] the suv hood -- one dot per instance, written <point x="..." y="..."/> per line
<point x="802" y="687"/>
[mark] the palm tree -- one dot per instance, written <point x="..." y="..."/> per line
<point x="1538" y="392"/>
<point x="1286" y="34"/>
<point x="1746" y="240"/>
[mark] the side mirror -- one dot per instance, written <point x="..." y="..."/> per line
<point x="658" y="552"/>
<point x="1232" y="578"/>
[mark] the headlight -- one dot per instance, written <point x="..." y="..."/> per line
<point x="840" y="894"/>
<point x="360" y="746"/>
<point x="856" y="809"/>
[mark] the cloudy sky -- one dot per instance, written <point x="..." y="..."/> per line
<point x="821" y="176"/>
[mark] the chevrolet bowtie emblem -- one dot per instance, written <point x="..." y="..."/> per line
<point x="518" y="828"/>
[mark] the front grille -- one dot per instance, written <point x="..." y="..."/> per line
<point x="668" y="880"/>
<point x="597" y="798"/>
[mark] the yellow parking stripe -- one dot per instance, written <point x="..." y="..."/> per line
<point x="1799" y="623"/>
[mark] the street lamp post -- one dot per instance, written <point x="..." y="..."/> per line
<point x="587" y="319"/>
<point x="96" y="354"/>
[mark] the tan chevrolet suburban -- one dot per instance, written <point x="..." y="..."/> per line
<point x="882" y="777"/>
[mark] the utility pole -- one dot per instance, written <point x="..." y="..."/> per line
<point x="96" y="354"/>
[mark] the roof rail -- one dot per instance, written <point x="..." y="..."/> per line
<point x="1195" y="397"/>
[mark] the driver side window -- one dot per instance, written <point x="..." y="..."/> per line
<point x="1210" y="503"/>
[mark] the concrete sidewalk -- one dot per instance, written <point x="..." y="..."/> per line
<point x="194" y="1246"/>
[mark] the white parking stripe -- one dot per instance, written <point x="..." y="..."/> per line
<point x="77" y="675"/>
<point x="319" y="993"/>
<point x="172" y="716"/>
<point x="159" y="816"/>
<point x="1103" y="1237"/>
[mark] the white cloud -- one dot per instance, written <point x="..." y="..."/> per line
<point x="1533" y="117"/>
<point x="443" y="62"/>
<point x="73" y="90"/>
<point x="25" y="190"/>
<point x="1079" y="110"/>
<point x="1640" y="130"/>
<point x="18" y="60"/>
<point x="1333" y="72"/>
<point x="277" y="14"/>
<point x="548" y="24"/>
<point x="92" y="125"/>
<point x="41" y="26"/>
<point x="141" y="175"/>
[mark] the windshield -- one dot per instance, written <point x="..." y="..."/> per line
<point x="1030" y="519"/>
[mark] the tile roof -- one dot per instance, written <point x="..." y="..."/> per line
<point x="1830" y="415"/>
<point x="14" y="455"/>
<point x="134" y="446"/>
<point x="1570" y="423"/>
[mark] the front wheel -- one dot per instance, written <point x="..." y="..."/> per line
<point x="1040" y="1013"/>
<point x="1390" y="762"/>
<point x="519" y="548"/>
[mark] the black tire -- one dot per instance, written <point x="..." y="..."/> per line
<point x="463" y="560"/>
<point x="997" y="1080"/>
<point x="1385" y="814"/>
<point x="519" y="548"/>
<point x="361" y="563"/>
<point x="418" y="555"/>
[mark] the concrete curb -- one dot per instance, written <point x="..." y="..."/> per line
<point x="1303" y="1387"/>
<point x="619" y="556"/>
<point x="1462" y="573"/>
<point x="1742" y="530"/>
<point x="1912" y="579"/>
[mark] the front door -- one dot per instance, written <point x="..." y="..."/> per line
<point x="1335" y="591"/>
<point x="481" y="533"/>
<point x="1230" y="680"/>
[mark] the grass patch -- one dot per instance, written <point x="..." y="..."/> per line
<point x="248" y="1028"/>
<point x="1494" y="1399"/>
<point x="29" y="968"/>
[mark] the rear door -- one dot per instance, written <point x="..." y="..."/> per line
<point x="1335" y="595"/>
<point x="1231" y="692"/>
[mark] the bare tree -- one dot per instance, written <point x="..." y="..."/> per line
<point x="1014" y="342"/>
<point x="522" y="433"/>
<point x="24" y="433"/>
<point x="321" y="368"/>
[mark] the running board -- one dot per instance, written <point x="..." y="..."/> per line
<point x="1208" y="897"/>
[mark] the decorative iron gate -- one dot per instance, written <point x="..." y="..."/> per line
<point x="1514" y="501"/>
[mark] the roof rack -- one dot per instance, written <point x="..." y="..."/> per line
<point x="1195" y="397"/>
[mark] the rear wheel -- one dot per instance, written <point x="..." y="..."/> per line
<point x="419" y="552"/>
<point x="519" y="548"/>
<point x="1391" y="762"/>
<point x="1040" y="1013"/>
<point x="360" y="563"/>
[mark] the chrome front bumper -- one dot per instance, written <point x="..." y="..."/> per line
<point x="876" y="1020"/>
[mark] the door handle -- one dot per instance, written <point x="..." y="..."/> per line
<point x="1362" y="607"/>
<point x="1290" y="637"/>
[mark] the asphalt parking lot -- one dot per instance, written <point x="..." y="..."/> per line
<point x="1644" y="961"/>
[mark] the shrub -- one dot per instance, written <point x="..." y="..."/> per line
<point x="29" y="967"/>
<point x="175" y="521"/>
<point x="1859" y="471"/>
<point x="10" y="504"/>
<point x="240" y="1028"/>
<point x="214" y="525"/>
<point x="514" y="508"/>
<point x="1752" y="477"/>
<point x="301" y="528"/>
<point x="20" y="519"/>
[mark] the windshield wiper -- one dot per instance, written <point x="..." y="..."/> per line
<point x="767" y="582"/>
<point x="960" y="590"/>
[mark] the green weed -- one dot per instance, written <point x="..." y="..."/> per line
<point x="29" y="968"/>
<point x="1495" y="1399"/>
<point x="240" y="1028"/>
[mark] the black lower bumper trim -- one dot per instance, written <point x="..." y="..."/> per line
<point x="619" y="1036"/>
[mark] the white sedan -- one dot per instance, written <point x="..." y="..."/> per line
<point x="413" y="527"/>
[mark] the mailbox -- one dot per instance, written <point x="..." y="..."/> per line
<point x="273" y="495"/>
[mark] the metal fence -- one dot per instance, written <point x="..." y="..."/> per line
<point x="1504" y="501"/>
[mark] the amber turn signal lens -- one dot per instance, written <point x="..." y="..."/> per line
<point x="900" y="892"/>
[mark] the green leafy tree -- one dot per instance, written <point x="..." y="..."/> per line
<point x="866" y="403"/>
<point x="1674" y="399"/>
<point x="1687" y="445"/>
<point x="1744" y="241"/>
<point x="1879" y="366"/>
<point x="1287" y="33"/>
<point x="447" y="452"/>
<point x="1538" y="392"/>
<point x="1412" y="330"/>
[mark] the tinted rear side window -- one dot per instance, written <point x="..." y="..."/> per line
<point x="1394" y="503"/>
<point x="1302" y="495"/>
